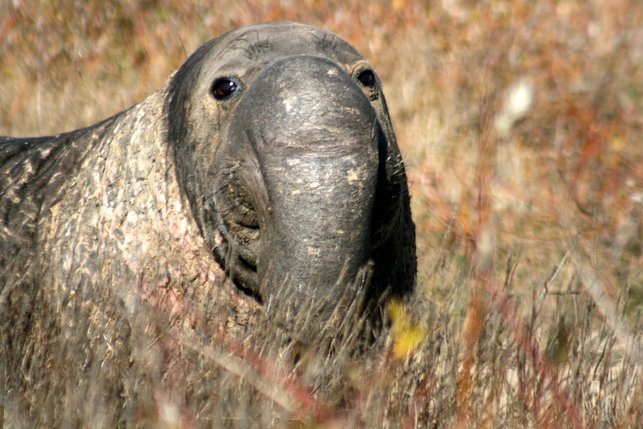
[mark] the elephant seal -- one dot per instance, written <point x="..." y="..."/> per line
<point x="260" y="190"/>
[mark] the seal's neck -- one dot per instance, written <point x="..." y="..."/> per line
<point x="122" y="222"/>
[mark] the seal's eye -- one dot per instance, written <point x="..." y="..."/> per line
<point x="224" y="87"/>
<point x="367" y="78"/>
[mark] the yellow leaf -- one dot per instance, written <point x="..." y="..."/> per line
<point x="407" y="336"/>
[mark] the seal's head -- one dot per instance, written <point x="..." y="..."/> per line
<point x="285" y="151"/>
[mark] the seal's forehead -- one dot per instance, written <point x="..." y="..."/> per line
<point x="266" y="42"/>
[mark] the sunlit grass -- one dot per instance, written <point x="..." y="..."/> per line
<point x="520" y="124"/>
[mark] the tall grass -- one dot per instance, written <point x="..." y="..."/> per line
<point x="520" y="123"/>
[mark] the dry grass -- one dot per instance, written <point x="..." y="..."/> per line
<point x="520" y="123"/>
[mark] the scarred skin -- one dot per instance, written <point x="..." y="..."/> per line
<point x="256" y="188"/>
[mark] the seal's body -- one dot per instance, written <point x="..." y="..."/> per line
<point x="261" y="184"/>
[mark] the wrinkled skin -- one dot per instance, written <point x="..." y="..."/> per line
<point x="261" y="187"/>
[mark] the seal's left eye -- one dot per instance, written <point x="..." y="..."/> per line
<point x="224" y="87"/>
<point x="366" y="78"/>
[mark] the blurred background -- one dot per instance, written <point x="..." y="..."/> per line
<point x="520" y="122"/>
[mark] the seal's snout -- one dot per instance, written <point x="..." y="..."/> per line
<point x="308" y="135"/>
<point x="314" y="133"/>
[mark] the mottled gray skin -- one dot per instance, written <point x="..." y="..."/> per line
<point x="118" y="241"/>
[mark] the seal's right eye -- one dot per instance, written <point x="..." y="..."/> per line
<point x="224" y="87"/>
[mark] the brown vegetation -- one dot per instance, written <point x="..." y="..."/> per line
<point x="520" y="124"/>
